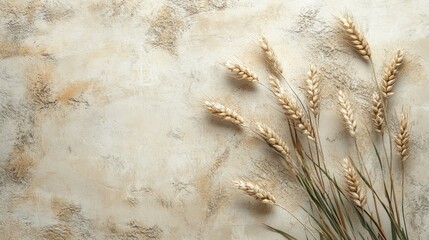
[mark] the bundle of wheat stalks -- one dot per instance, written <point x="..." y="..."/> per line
<point x="354" y="206"/>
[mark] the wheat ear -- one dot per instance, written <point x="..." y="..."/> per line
<point x="296" y="114"/>
<point x="347" y="113"/>
<point x="292" y="111"/>
<point x="313" y="90"/>
<point x="273" y="139"/>
<point x="377" y="113"/>
<point x="275" y="85"/>
<point x="255" y="191"/>
<point x="402" y="138"/>
<point x="241" y="73"/>
<point x="355" y="36"/>
<point x="354" y="187"/>
<point x="223" y="112"/>
<point x="390" y="73"/>
<point x="270" y="56"/>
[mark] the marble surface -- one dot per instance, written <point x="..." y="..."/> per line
<point x="103" y="132"/>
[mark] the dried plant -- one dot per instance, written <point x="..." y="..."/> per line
<point x="223" y="112"/>
<point x="275" y="85"/>
<point x="402" y="138"/>
<point x="313" y="90"/>
<point x="347" y="113"/>
<point x="333" y="208"/>
<point x="273" y="139"/>
<point x="241" y="73"/>
<point x="270" y="56"/>
<point x="377" y="113"/>
<point x="255" y="191"/>
<point x="292" y="110"/>
<point x="354" y="187"/>
<point x="355" y="36"/>
<point x="390" y="73"/>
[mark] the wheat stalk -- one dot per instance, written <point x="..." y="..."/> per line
<point x="347" y="113"/>
<point x="270" y="56"/>
<point x="402" y="137"/>
<point x="313" y="90"/>
<point x="355" y="36"/>
<point x="241" y="73"/>
<point x="377" y="113"/>
<point x="223" y="112"/>
<point x="292" y="111"/>
<point x="255" y="191"/>
<point x="273" y="139"/>
<point x="353" y="185"/>
<point x="390" y="73"/>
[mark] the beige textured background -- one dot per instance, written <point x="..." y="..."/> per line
<point x="102" y="131"/>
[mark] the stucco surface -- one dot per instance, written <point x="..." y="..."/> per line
<point x="103" y="132"/>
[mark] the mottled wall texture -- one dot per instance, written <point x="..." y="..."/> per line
<point x="102" y="130"/>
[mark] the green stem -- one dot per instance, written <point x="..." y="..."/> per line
<point x="306" y="228"/>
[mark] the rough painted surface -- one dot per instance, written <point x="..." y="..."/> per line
<point x="103" y="134"/>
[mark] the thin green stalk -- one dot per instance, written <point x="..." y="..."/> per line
<point x="403" y="196"/>
<point x="384" y="104"/>
<point x="294" y="93"/>
<point x="345" y="196"/>
<point x="363" y="166"/>
<point x="389" y="212"/>
<point x="319" y="148"/>
<point x="306" y="228"/>
<point x="322" y="205"/>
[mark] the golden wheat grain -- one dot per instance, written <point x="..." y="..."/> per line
<point x="377" y="113"/>
<point x="313" y="90"/>
<point x="292" y="111"/>
<point x="270" y="56"/>
<point x="273" y="139"/>
<point x="354" y="187"/>
<point x="347" y="113"/>
<point x="355" y="36"/>
<point x="402" y="138"/>
<point x="390" y="73"/>
<point x="255" y="191"/>
<point x="223" y="112"/>
<point x="241" y="73"/>
<point x="275" y="85"/>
